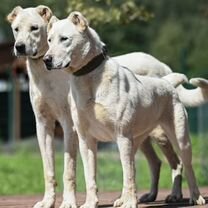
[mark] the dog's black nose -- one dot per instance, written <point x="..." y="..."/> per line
<point x="48" y="61"/>
<point x="20" y="47"/>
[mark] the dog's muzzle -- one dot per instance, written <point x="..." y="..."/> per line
<point x="48" y="61"/>
<point x="20" y="47"/>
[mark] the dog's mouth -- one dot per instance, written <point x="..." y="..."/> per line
<point x="35" y="54"/>
<point x="67" y="65"/>
<point x="50" y="65"/>
<point x="58" y="67"/>
<point x="18" y="54"/>
<point x="22" y="54"/>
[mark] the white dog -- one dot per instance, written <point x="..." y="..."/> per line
<point x="37" y="41"/>
<point x="48" y="101"/>
<point x="30" y="35"/>
<point x="109" y="103"/>
<point x="48" y="94"/>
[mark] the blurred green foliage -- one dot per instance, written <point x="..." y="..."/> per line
<point x="174" y="31"/>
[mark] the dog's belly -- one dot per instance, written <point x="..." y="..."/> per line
<point x="100" y="133"/>
<point x="109" y="132"/>
<point x="143" y="131"/>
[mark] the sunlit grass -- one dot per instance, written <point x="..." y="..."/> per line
<point x="21" y="171"/>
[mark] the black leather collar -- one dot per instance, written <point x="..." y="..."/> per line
<point x="92" y="65"/>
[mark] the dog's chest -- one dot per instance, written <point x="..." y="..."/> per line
<point x="99" y="112"/>
<point x="96" y="120"/>
<point x="47" y="103"/>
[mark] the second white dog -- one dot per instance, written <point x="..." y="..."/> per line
<point x="110" y="102"/>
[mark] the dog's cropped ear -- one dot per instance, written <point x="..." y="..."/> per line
<point x="13" y="14"/>
<point x="79" y="20"/>
<point x="45" y="12"/>
<point x="51" y="22"/>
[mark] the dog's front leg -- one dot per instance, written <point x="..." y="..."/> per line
<point x="69" y="176"/>
<point x="88" y="150"/>
<point x="45" y="134"/>
<point x="128" y="198"/>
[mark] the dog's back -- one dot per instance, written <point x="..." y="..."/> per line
<point x="143" y="64"/>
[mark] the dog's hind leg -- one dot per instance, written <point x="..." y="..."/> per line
<point x="175" y="164"/>
<point x="154" y="165"/>
<point x="176" y="129"/>
<point x="128" y="197"/>
<point x="70" y="150"/>
<point x="45" y="135"/>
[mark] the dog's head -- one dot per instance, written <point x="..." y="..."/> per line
<point x="30" y="30"/>
<point x="70" y="41"/>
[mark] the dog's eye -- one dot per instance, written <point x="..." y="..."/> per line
<point x="63" y="38"/>
<point x="16" y="29"/>
<point x="34" y="28"/>
<point x="49" y="40"/>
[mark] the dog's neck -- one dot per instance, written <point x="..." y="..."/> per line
<point x="92" y="64"/>
<point x="35" y="65"/>
<point x="84" y="87"/>
<point x="83" y="60"/>
<point x="87" y="52"/>
<point x="36" y="68"/>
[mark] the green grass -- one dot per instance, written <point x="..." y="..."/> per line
<point x="21" y="172"/>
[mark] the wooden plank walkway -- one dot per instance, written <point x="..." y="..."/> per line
<point x="105" y="200"/>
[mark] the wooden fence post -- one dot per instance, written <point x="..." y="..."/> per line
<point x="14" y="120"/>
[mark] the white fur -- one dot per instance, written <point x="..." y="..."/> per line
<point x="48" y="95"/>
<point x="143" y="64"/>
<point x="147" y="65"/>
<point x="177" y="172"/>
<point x="111" y="102"/>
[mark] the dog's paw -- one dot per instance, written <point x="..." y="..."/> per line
<point x="91" y="200"/>
<point x="172" y="198"/>
<point x="199" y="201"/>
<point x="148" y="197"/>
<point x="118" y="202"/>
<point x="126" y="202"/>
<point x="89" y="205"/>
<point x="50" y="203"/>
<point x="67" y="204"/>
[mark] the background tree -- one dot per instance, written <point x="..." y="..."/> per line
<point x="173" y="31"/>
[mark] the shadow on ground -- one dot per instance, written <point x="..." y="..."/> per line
<point x="161" y="203"/>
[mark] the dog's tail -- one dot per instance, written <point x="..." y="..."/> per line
<point x="194" y="97"/>
<point x="189" y="97"/>
<point x="176" y="79"/>
<point x="199" y="82"/>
